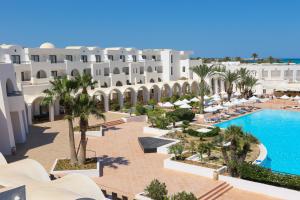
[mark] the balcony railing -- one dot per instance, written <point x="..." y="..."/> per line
<point x="14" y="93"/>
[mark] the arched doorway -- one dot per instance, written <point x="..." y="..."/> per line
<point x="129" y="98"/>
<point x="155" y="93"/>
<point x="115" y="100"/>
<point x="142" y="95"/>
<point x="152" y="80"/>
<point x="41" y="74"/>
<point x="39" y="111"/>
<point x="186" y="88"/>
<point x="176" y="89"/>
<point x="166" y="91"/>
<point x="101" y="103"/>
<point x="104" y="85"/>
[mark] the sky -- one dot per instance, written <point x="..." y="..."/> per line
<point x="209" y="28"/>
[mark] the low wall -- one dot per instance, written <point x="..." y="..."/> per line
<point x="188" y="168"/>
<point x="265" y="189"/>
<point x="140" y="118"/>
<point x="87" y="172"/>
<point x="155" y="131"/>
<point x="165" y="148"/>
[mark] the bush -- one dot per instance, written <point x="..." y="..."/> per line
<point x="162" y="122"/>
<point x="140" y="109"/>
<point x="165" y="99"/>
<point x="115" y="106"/>
<point x="183" y="196"/>
<point x="214" y="132"/>
<point x="156" y="190"/>
<point x="182" y="114"/>
<point x="127" y="105"/>
<point x="262" y="175"/>
<point x="177" y="150"/>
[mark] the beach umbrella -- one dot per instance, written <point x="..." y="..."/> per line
<point x="297" y="97"/>
<point x="186" y="101"/>
<point x="284" y="97"/>
<point x="216" y="97"/>
<point x="237" y="93"/>
<point x="194" y="99"/>
<point x="185" y="106"/>
<point x="167" y="105"/>
<point x="210" y="109"/>
<point x="178" y="103"/>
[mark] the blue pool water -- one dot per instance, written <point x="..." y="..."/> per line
<point x="279" y="131"/>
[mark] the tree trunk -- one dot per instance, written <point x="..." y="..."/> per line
<point x="201" y="109"/>
<point x="83" y="142"/>
<point x="73" y="156"/>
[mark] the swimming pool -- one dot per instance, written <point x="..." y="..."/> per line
<point x="279" y="131"/>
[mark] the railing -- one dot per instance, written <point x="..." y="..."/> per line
<point x="14" y="93"/>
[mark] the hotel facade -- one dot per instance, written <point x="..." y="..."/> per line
<point x="123" y="75"/>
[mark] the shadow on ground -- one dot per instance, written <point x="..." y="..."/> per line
<point x="36" y="138"/>
<point x="113" y="162"/>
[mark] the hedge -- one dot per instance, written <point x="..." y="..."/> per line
<point x="214" y="132"/>
<point x="263" y="175"/>
<point x="182" y="114"/>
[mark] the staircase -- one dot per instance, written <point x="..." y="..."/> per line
<point x="112" y="123"/>
<point x="216" y="192"/>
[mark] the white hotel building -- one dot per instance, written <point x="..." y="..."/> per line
<point x="123" y="74"/>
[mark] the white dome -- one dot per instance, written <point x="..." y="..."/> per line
<point x="47" y="45"/>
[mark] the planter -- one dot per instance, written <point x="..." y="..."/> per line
<point x="141" y="196"/>
<point x="165" y="148"/>
<point x="97" y="172"/>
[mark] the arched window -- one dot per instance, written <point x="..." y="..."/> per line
<point x="159" y="79"/>
<point x="41" y="74"/>
<point x="149" y="69"/>
<point x="116" y="71"/>
<point x="74" y="72"/>
<point x="119" y="83"/>
<point x="152" y="80"/>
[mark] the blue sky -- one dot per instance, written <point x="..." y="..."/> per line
<point x="210" y="28"/>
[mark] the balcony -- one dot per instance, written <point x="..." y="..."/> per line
<point x="14" y="93"/>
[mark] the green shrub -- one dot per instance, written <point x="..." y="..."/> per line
<point x="115" y="106"/>
<point x="140" y="109"/>
<point x="183" y="196"/>
<point x="192" y="132"/>
<point x="127" y="105"/>
<point x="182" y="114"/>
<point x="177" y="150"/>
<point x="214" y="132"/>
<point x="156" y="190"/>
<point x="165" y="99"/>
<point x="174" y="98"/>
<point x="260" y="174"/>
<point x="162" y="122"/>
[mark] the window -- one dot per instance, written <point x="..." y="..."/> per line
<point x="53" y="59"/>
<point x="98" y="58"/>
<point x="134" y="58"/>
<point x="126" y="70"/>
<point x="35" y="58"/>
<point x="84" y="58"/>
<point x="183" y="69"/>
<point x="54" y="73"/>
<point x="154" y="57"/>
<point x="141" y="70"/>
<point x="171" y="58"/>
<point x="110" y="57"/>
<point x="106" y="71"/>
<point x="149" y="69"/>
<point x="69" y="58"/>
<point x="16" y="59"/>
<point x="122" y="57"/>
<point x="99" y="72"/>
<point x="144" y="57"/>
<point x="171" y="70"/>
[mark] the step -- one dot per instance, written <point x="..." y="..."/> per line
<point x="218" y="192"/>
<point x="212" y="190"/>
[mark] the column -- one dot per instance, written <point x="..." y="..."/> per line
<point x="216" y="85"/>
<point x="158" y="94"/>
<point x="121" y="100"/>
<point x="146" y="96"/>
<point x="51" y="112"/>
<point x="106" y="106"/>
<point x="222" y="86"/>
<point x="29" y="114"/>
<point x="134" y="98"/>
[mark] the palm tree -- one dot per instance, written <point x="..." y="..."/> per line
<point x="83" y="108"/>
<point x="235" y="147"/>
<point x="270" y="59"/>
<point x="64" y="89"/>
<point x="84" y="82"/>
<point x="230" y="78"/>
<point x="203" y="72"/>
<point x="254" y="56"/>
<point x="243" y="73"/>
<point x="250" y="82"/>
